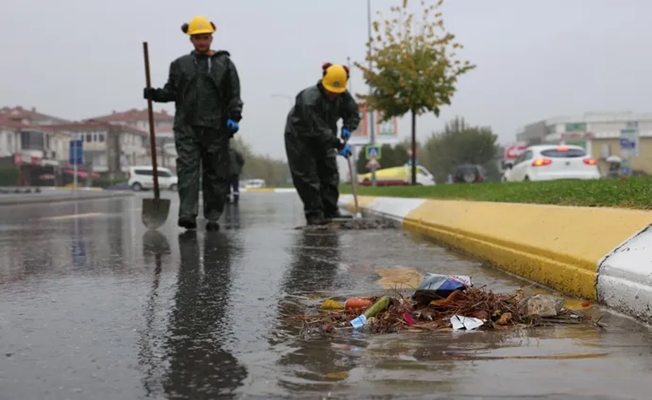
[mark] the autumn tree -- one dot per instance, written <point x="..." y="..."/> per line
<point x="414" y="62"/>
<point x="460" y="143"/>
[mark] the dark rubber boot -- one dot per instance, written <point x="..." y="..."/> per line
<point x="212" y="226"/>
<point x="187" y="223"/>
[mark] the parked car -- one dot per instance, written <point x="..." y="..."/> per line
<point x="253" y="184"/>
<point x="398" y="176"/>
<point x="469" y="173"/>
<point x="141" y="178"/>
<point x="552" y="162"/>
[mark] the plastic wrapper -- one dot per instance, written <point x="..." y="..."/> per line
<point x="436" y="287"/>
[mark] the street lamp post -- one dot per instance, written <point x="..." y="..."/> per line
<point x="372" y="127"/>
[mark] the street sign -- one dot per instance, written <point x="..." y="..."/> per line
<point x="576" y="127"/>
<point x="76" y="152"/>
<point x="629" y="142"/>
<point x="373" y="164"/>
<point x="512" y="152"/>
<point x="372" y="152"/>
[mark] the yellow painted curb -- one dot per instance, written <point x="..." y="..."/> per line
<point x="260" y="190"/>
<point x="559" y="247"/>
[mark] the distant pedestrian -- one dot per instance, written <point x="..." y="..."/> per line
<point x="237" y="162"/>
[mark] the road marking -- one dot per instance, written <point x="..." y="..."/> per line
<point x="72" y="216"/>
<point x="134" y="209"/>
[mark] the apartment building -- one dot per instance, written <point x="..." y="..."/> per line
<point x="30" y="142"/>
<point x="109" y="149"/>
<point x="139" y="119"/>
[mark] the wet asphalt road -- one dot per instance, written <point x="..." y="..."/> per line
<point x="93" y="307"/>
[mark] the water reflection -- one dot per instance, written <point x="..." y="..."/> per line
<point x="155" y="246"/>
<point x="199" y="365"/>
<point x="232" y="216"/>
<point x="314" y="364"/>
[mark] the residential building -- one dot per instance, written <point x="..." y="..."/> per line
<point x="110" y="149"/>
<point x="139" y="119"/>
<point x="33" y="144"/>
<point x="31" y="116"/>
<point x="598" y="133"/>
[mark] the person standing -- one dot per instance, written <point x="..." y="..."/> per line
<point x="205" y="87"/>
<point x="311" y="141"/>
<point x="237" y="162"/>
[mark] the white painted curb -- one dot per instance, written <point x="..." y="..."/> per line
<point x="624" y="275"/>
<point x="276" y="190"/>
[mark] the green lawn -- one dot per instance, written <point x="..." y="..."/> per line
<point x="627" y="193"/>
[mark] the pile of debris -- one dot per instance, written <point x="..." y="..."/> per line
<point x="442" y="303"/>
<point x="354" y="224"/>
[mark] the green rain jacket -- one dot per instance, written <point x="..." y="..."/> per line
<point x="205" y="89"/>
<point x="314" y="114"/>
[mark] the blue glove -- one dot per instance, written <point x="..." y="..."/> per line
<point x="233" y="126"/>
<point x="346" y="151"/>
<point x="346" y="134"/>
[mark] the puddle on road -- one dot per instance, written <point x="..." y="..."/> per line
<point x="541" y="361"/>
<point x="201" y="318"/>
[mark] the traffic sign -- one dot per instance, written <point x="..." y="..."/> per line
<point x="76" y="152"/>
<point x="373" y="164"/>
<point x="629" y="142"/>
<point x="372" y="152"/>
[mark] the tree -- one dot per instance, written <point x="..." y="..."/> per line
<point x="459" y="143"/>
<point x="391" y="156"/>
<point x="415" y="68"/>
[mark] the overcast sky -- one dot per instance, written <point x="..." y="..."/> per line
<point x="536" y="59"/>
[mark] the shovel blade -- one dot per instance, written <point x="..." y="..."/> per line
<point x="155" y="212"/>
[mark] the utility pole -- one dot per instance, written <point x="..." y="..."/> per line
<point x="372" y="127"/>
<point x="354" y="159"/>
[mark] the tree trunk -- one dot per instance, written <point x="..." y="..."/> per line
<point x="414" y="147"/>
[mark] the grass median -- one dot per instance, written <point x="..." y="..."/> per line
<point x="626" y="193"/>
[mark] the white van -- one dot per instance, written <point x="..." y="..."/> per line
<point x="141" y="178"/>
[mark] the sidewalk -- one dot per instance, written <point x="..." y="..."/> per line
<point x="49" y="195"/>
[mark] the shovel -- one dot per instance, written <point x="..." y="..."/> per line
<point x="156" y="210"/>
<point x="354" y="189"/>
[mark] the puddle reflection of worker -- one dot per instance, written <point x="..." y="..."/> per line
<point x="199" y="366"/>
<point x="313" y="269"/>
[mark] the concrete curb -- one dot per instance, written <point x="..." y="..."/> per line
<point x="44" y="197"/>
<point x="600" y="254"/>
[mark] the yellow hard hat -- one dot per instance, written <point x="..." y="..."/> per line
<point x="198" y="25"/>
<point x="335" y="77"/>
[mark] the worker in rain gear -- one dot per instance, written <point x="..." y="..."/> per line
<point x="237" y="162"/>
<point x="206" y="90"/>
<point x="311" y="141"/>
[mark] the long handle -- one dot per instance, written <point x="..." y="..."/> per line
<point x="353" y="185"/>
<point x="150" y="114"/>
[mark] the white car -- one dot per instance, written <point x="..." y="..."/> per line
<point x="253" y="184"/>
<point x="141" y="178"/>
<point x="551" y="162"/>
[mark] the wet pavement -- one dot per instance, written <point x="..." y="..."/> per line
<point x="93" y="307"/>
